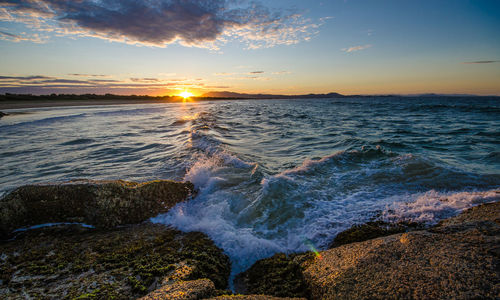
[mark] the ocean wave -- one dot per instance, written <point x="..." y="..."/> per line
<point x="129" y="112"/>
<point x="253" y="215"/>
<point x="44" y="121"/>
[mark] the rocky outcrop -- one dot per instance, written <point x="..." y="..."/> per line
<point x="279" y="276"/>
<point x="459" y="259"/>
<point x="124" y="263"/>
<point x="371" y="230"/>
<point x="194" y="289"/>
<point x="253" y="297"/>
<point x="2" y="114"/>
<point x="103" y="204"/>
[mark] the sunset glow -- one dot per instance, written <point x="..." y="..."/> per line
<point x="186" y="94"/>
<point x="396" y="48"/>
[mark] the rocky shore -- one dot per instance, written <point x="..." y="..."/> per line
<point x="120" y="255"/>
<point x="457" y="259"/>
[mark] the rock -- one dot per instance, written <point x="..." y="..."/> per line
<point x="485" y="212"/>
<point x="450" y="261"/>
<point x="458" y="259"/>
<point x="371" y="230"/>
<point x="253" y="297"/>
<point x="103" y="204"/>
<point x="121" y="263"/>
<point x="194" y="289"/>
<point x="2" y="114"/>
<point x="279" y="276"/>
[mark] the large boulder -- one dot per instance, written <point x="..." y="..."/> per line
<point x="103" y="204"/>
<point x="121" y="263"/>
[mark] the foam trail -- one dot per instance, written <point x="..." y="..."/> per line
<point x="433" y="206"/>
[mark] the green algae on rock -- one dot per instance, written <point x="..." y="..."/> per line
<point x="279" y="275"/>
<point x="122" y="263"/>
<point x="103" y="204"/>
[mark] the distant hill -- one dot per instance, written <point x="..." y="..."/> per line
<point x="226" y="94"/>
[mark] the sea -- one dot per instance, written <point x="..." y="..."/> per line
<point x="273" y="175"/>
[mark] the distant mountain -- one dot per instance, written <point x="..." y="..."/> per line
<point x="226" y="94"/>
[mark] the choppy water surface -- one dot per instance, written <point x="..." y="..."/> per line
<point x="273" y="175"/>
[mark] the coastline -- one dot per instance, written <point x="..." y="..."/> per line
<point x="456" y="258"/>
<point x="22" y="104"/>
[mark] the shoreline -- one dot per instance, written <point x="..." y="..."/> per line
<point x="22" y="104"/>
<point x="136" y="259"/>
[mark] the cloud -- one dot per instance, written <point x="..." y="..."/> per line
<point x="356" y="48"/>
<point x="88" y="75"/>
<point x="144" y="79"/>
<point x="35" y="38"/>
<point x="223" y="74"/>
<point x="481" y="62"/>
<point x="24" y="78"/>
<point x="256" y="72"/>
<point x="282" y="73"/>
<point x="48" y="82"/>
<point x="198" y="23"/>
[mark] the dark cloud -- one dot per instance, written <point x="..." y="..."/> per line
<point x="202" y="23"/>
<point x="34" y="77"/>
<point x="37" y="84"/>
<point x="144" y="79"/>
<point x="9" y="34"/>
<point x="66" y="81"/>
<point x="482" y="62"/>
<point x="257" y="72"/>
<point x="87" y="75"/>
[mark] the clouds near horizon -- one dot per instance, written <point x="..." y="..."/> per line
<point x="356" y="48"/>
<point x="198" y="23"/>
<point x="481" y="62"/>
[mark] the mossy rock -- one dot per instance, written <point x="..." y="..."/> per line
<point x="122" y="263"/>
<point x="279" y="276"/>
<point x="103" y="204"/>
<point x="371" y="230"/>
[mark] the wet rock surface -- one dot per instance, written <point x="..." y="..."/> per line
<point x="279" y="275"/>
<point x="123" y="263"/>
<point x="371" y="230"/>
<point x="103" y="204"/>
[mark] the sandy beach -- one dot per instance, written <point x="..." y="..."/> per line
<point x="21" y="104"/>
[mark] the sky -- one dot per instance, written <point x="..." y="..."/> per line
<point x="164" y="47"/>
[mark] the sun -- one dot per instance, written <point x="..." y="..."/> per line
<point x="186" y="94"/>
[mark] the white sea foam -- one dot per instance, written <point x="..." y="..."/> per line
<point x="433" y="206"/>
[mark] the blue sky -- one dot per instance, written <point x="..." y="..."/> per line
<point x="160" y="47"/>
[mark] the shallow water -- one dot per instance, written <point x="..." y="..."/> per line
<point x="273" y="175"/>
